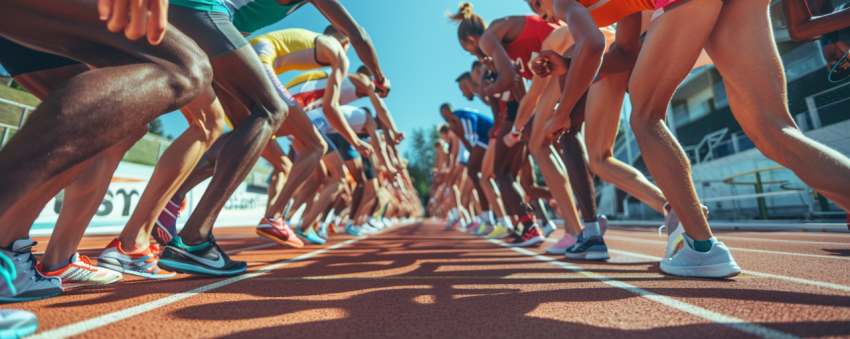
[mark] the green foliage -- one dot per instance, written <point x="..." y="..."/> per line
<point x="420" y="154"/>
<point x="18" y="86"/>
<point x="155" y="127"/>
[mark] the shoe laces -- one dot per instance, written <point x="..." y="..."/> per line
<point x="661" y="229"/>
<point x="8" y="271"/>
<point x="30" y="260"/>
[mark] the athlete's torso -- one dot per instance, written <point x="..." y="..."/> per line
<point x="608" y="12"/>
<point x="288" y="50"/>
<point x="355" y="117"/>
<point x="525" y="47"/>
<point x="308" y="89"/>
<point x="475" y="125"/>
<point x="250" y="16"/>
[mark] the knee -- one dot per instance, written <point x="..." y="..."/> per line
<point x="596" y="162"/>
<point x="196" y="76"/>
<point x="214" y="128"/>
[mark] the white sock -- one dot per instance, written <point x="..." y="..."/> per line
<point x="506" y="222"/>
<point x="591" y="229"/>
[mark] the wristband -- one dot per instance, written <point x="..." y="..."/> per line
<point x="380" y="87"/>
<point x="514" y="134"/>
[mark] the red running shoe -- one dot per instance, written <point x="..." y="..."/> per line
<point x="277" y="231"/>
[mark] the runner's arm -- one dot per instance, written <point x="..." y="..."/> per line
<point x="802" y="25"/>
<point x="622" y="55"/>
<point x="329" y="49"/>
<point x="372" y="129"/>
<point x="559" y="40"/>
<point x="339" y="17"/>
<point x="384" y="114"/>
<point x="491" y="45"/>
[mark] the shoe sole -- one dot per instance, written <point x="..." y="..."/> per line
<point x="719" y="271"/>
<point x="120" y="269"/>
<point x="90" y="284"/>
<point x="17" y="300"/>
<point x="180" y="267"/>
<point x="596" y="255"/>
<point x="560" y="251"/>
<point x="278" y="240"/>
<point x="530" y="242"/>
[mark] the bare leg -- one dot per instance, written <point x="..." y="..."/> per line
<point x="602" y="120"/>
<point x="80" y="115"/>
<point x="574" y="156"/>
<point x="494" y="198"/>
<point x="330" y="188"/>
<point x="282" y="167"/>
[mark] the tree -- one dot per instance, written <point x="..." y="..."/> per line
<point x="421" y="156"/>
<point x="155" y="127"/>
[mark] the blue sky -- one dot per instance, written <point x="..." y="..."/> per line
<point x="418" y="50"/>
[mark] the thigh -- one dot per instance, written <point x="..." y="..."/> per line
<point x="476" y="158"/>
<point x="242" y="74"/>
<point x="489" y="157"/>
<point x="750" y="64"/>
<point x="602" y="113"/>
<point x="672" y="45"/>
<point x="502" y="159"/>
<point x="72" y="29"/>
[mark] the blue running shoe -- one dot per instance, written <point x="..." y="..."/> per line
<point x="353" y="230"/>
<point x="17" y="324"/>
<point x="311" y="236"/>
<point x="588" y="248"/>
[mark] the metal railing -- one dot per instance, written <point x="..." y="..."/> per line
<point x="8" y="128"/>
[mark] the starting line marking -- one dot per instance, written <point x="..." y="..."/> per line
<point x="739" y="324"/>
<point x="88" y="325"/>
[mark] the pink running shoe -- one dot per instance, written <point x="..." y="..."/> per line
<point x="561" y="246"/>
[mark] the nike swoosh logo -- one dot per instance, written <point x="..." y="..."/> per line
<point x="215" y="264"/>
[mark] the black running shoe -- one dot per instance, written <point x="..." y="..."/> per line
<point x="530" y="236"/>
<point x="206" y="259"/>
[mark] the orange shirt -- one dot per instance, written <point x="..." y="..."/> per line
<point x="608" y="12"/>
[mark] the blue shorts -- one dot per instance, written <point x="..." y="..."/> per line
<point x="346" y="150"/>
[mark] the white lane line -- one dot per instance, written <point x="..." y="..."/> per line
<point x="614" y="237"/>
<point x="760" y="274"/>
<point x="738" y="324"/>
<point x="726" y="236"/>
<point x="88" y="325"/>
<point x="258" y="247"/>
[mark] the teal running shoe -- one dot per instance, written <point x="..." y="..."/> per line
<point x="353" y="230"/>
<point x="17" y="324"/>
<point x="310" y="236"/>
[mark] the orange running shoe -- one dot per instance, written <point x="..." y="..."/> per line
<point x="80" y="272"/>
<point x="143" y="263"/>
<point x="277" y="231"/>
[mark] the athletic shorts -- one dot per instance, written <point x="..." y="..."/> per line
<point x="331" y="146"/>
<point x="512" y="108"/>
<point x="664" y="6"/>
<point x="346" y="150"/>
<point x="212" y="31"/>
<point x="18" y="60"/>
<point x="463" y="155"/>
<point x="369" y="169"/>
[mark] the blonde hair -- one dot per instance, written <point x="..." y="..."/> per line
<point x="469" y="23"/>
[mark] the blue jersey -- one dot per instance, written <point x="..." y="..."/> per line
<point x="475" y="126"/>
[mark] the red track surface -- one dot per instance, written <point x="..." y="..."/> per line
<point x="424" y="281"/>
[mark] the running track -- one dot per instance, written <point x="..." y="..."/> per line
<point x="423" y="281"/>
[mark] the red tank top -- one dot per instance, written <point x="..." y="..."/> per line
<point x="524" y="49"/>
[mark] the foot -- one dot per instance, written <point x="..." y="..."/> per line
<point x="353" y="230"/>
<point x="17" y="323"/>
<point x="206" y="258"/>
<point x="80" y="272"/>
<point x="368" y="229"/>
<point x="473" y="227"/>
<point x="310" y="236"/>
<point x="277" y="231"/>
<point x="143" y="263"/>
<point x="674" y="228"/>
<point x="531" y="236"/>
<point x="166" y="224"/>
<point x="688" y="262"/>
<point x="23" y="281"/>
<point x="561" y="246"/>
<point x="588" y="248"/>
<point x="499" y="232"/>
<point x="548" y="228"/>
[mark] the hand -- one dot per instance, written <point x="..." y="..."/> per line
<point x="492" y="132"/>
<point x="399" y="137"/>
<point x="383" y="89"/>
<point x="550" y="63"/>
<point x="364" y="149"/>
<point x="556" y="126"/>
<point x="136" y="17"/>
<point x="509" y="140"/>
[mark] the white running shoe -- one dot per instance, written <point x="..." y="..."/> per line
<point x="548" y="228"/>
<point x="80" y="272"/>
<point x="687" y="262"/>
<point x="17" y="323"/>
<point x="674" y="229"/>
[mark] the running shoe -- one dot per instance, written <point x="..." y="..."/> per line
<point x="687" y="262"/>
<point x="485" y="229"/>
<point x="23" y="281"/>
<point x="473" y="227"/>
<point x="561" y="246"/>
<point x="166" y="224"/>
<point x="587" y="248"/>
<point x="674" y="228"/>
<point x="323" y="232"/>
<point x="377" y="224"/>
<point x="143" y="263"/>
<point x="17" y="324"/>
<point x="387" y="222"/>
<point x="353" y="230"/>
<point x="531" y="236"/>
<point x="277" y="231"/>
<point x="310" y="235"/>
<point x="80" y="272"/>
<point x="206" y="258"/>
<point x="548" y="229"/>
<point x="499" y="232"/>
